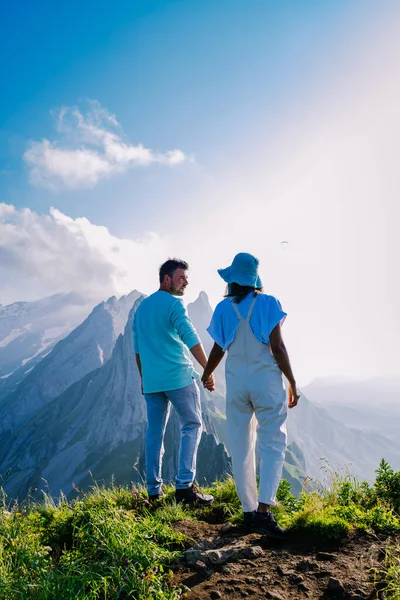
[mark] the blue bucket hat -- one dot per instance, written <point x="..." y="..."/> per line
<point x="243" y="270"/>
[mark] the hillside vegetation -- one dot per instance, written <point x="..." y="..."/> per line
<point x="110" y="543"/>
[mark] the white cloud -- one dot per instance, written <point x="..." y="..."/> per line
<point x="45" y="254"/>
<point x="94" y="148"/>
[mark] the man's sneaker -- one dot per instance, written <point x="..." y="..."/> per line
<point x="193" y="496"/>
<point x="155" y="497"/>
<point x="265" y="523"/>
<point x="248" y="519"/>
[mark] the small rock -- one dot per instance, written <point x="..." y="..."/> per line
<point x="295" y="579"/>
<point x="192" y="556"/>
<point x="282" y="571"/>
<point x="230" y="569"/>
<point x="274" y="596"/>
<point x="335" y="585"/>
<point x="321" y="574"/>
<point x="325" y="556"/>
<point x="252" y="552"/>
<point x="303" y="588"/>
<point x="305" y="566"/>
<point x="215" y="595"/>
<point x="227" y="528"/>
<point x="252" y="580"/>
<point x="220" y="557"/>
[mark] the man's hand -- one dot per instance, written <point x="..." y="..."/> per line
<point x="293" y="396"/>
<point x="208" y="382"/>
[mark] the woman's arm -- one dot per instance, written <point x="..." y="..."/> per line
<point x="282" y="358"/>
<point x="214" y="359"/>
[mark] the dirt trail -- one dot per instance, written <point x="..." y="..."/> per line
<point x="225" y="563"/>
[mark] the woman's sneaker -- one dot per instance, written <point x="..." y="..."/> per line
<point x="265" y="523"/>
<point x="193" y="496"/>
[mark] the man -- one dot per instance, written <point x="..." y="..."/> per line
<point x="161" y="330"/>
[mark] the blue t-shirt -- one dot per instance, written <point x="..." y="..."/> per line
<point x="267" y="313"/>
<point x="161" y="330"/>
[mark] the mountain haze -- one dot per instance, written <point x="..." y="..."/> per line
<point x="97" y="425"/>
<point x="80" y="414"/>
<point x="29" y="330"/>
<point x="86" y="348"/>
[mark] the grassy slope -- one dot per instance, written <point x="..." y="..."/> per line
<point x="109" y="543"/>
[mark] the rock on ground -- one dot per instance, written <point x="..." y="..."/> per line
<point x="230" y="565"/>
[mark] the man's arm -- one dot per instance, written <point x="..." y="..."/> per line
<point x="188" y="334"/>
<point x="282" y="358"/>
<point x="198" y="352"/>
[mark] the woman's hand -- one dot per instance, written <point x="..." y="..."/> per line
<point x="293" y="395"/>
<point x="208" y="381"/>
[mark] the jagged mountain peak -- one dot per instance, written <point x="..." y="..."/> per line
<point x="97" y="425"/>
<point x="29" y="330"/>
<point x="86" y="348"/>
<point x="200" y="313"/>
<point x="201" y="301"/>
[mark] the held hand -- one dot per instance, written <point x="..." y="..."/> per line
<point x="293" y="396"/>
<point x="208" y="382"/>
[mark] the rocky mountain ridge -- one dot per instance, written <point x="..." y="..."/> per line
<point x="95" y="428"/>
<point x="86" y="348"/>
<point x="81" y="411"/>
<point x="29" y="330"/>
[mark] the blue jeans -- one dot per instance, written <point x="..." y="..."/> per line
<point x="186" y="402"/>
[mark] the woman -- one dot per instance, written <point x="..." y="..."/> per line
<point x="247" y="324"/>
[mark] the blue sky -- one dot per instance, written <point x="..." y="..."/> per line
<point x="199" y="76"/>
<point x="137" y="130"/>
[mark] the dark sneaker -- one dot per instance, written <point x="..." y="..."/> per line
<point x="248" y="519"/>
<point x="156" y="497"/>
<point x="193" y="496"/>
<point x="265" y="523"/>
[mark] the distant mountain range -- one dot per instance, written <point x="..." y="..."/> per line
<point x="79" y="413"/>
<point x="29" y="330"/>
<point x="86" y="348"/>
<point x="372" y="406"/>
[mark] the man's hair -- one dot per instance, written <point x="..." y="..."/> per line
<point x="239" y="292"/>
<point x="170" y="266"/>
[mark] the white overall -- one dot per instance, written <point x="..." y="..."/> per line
<point x="254" y="392"/>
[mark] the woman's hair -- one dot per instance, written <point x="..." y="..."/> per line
<point x="239" y="292"/>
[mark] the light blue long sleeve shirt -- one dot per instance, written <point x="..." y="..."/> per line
<point x="161" y="330"/>
<point x="267" y="313"/>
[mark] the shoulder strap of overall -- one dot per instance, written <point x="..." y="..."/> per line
<point x="237" y="311"/>
<point x="250" y="311"/>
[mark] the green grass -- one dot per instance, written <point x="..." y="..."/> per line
<point x="110" y="543"/>
<point x="105" y="545"/>
<point x="389" y="577"/>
